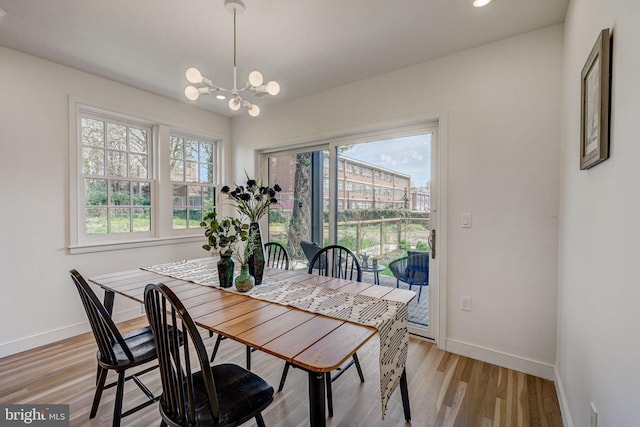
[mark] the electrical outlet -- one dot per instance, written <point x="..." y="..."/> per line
<point x="465" y="303"/>
<point x="593" y="415"/>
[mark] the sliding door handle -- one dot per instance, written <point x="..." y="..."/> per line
<point x="432" y="243"/>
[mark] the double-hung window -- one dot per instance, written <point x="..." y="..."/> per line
<point x="116" y="177"/>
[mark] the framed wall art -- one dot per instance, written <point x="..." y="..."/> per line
<point x="595" y="108"/>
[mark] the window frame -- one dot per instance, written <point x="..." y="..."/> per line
<point x="81" y="176"/>
<point x="216" y="175"/>
<point x="161" y="232"/>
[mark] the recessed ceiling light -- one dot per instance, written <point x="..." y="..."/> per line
<point x="480" y="3"/>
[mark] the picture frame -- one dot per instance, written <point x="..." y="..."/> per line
<point x="595" y="103"/>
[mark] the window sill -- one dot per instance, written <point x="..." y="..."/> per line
<point x="132" y="244"/>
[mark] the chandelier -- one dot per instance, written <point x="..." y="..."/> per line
<point x="254" y="84"/>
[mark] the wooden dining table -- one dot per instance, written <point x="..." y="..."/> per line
<point x="312" y="342"/>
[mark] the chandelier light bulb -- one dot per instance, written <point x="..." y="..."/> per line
<point x="234" y="104"/>
<point x="254" y="111"/>
<point x="273" y="88"/>
<point x="192" y="93"/>
<point x="194" y="75"/>
<point x="255" y="78"/>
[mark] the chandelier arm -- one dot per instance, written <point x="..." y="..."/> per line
<point x="206" y="83"/>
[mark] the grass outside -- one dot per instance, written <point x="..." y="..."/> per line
<point x="123" y="224"/>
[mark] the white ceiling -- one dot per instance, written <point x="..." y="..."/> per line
<point x="306" y="45"/>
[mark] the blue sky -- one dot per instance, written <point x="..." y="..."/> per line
<point x="409" y="155"/>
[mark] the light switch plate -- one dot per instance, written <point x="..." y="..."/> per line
<point x="465" y="220"/>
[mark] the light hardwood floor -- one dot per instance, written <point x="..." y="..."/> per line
<point x="445" y="389"/>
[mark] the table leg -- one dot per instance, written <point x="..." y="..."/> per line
<point x="404" y="392"/>
<point x="317" y="416"/>
<point x="108" y="301"/>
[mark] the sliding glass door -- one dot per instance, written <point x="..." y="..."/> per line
<point x="382" y="213"/>
<point x="369" y="193"/>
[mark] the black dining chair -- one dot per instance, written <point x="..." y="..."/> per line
<point x="412" y="269"/>
<point x="338" y="262"/>
<point x="197" y="393"/>
<point x="117" y="352"/>
<point x="276" y="256"/>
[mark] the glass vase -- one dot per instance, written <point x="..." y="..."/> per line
<point x="256" y="260"/>
<point x="226" y="265"/>
<point x="244" y="280"/>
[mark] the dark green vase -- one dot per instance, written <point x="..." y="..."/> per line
<point x="226" y="266"/>
<point x="256" y="260"/>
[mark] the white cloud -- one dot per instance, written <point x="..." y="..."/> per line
<point x="389" y="159"/>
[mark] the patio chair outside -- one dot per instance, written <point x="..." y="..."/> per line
<point x="310" y="250"/>
<point x="412" y="269"/>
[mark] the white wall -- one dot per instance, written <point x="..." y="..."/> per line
<point x="38" y="302"/>
<point x="502" y="106"/>
<point x="598" y="280"/>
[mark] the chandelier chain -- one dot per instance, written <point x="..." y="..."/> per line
<point x="234" y="37"/>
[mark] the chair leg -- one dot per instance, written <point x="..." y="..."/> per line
<point x="284" y="375"/>
<point x="100" y="368"/>
<point x="215" y="347"/>
<point x="357" y="362"/>
<point x="327" y="380"/>
<point x="117" y="404"/>
<point x="98" y="395"/>
<point x="248" y="358"/>
<point x="260" y="421"/>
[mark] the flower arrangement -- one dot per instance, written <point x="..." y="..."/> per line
<point x="252" y="199"/>
<point x="245" y="248"/>
<point x="225" y="236"/>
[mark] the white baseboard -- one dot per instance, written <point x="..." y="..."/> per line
<point x="562" y="400"/>
<point x="505" y="360"/>
<point x="44" y="338"/>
